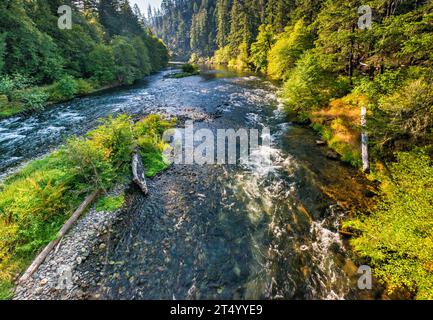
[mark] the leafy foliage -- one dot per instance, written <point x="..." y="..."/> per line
<point x="101" y="64"/>
<point x="309" y="87"/>
<point x="287" y="50"/>
<point x="189" y="68"/>
<point x="397" y="237"/>
<point x="405" y="117"/>
<point x="65" y="89"/>
<point x="34" y="99"/>
<point x="260" y="49"/>
<point x="149" y="132"/>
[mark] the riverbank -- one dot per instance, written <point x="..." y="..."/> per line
<point x="37" y="200"/>
<point x="51" y="97"/>
<point x="56" y="278"/>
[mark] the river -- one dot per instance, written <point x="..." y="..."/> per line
<point x="213" y="231"/>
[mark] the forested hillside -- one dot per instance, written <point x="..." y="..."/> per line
<point x="329" y="68"/>
<point x="39" y="62"/>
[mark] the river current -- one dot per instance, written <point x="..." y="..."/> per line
<point x="213" y="231"/>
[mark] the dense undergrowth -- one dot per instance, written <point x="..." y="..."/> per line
<point x="38" y="199"/>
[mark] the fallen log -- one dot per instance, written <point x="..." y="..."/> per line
<point x="68" y="224"/>
<point x="138" y="172"/>
<point x="346" y="233"/>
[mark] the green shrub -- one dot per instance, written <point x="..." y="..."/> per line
<point x="404" y="119"/>
<point x="222" y="55"/>
<point x="187" y="71"/>
<point x="89" y="165"/>
<point x="3" y="100"/>
<point x="398" y="236"/>
<point x="309" y="86"/>
<point x="6" y="290"/>
<point x="83" y="87"/>
<point x="149" y="132"/>
<point x="63" y="90"/>
<point x="34" y="99"/>
<point x="288" y="48"/>
<point x="383" y="84"/>
<point x="126" y="63"/>
<point x="9" y="84"/>
<point x="260" y="49"/>
<point x="189" y="68"/>
<point x="153" y="126"/>
<point x="151" y="153"/>
<point x="115" y="136"/>
<point x="241" y="60"/>
<point x="101" y="64"/>
<point x="6" y="85"/>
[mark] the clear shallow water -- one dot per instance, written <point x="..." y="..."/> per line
<point x="212" y="232"/>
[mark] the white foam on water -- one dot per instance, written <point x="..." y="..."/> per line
<point x="8" y="121"/>
<point x="279" y="112"/>
<point x="254" y="118"/>
<point x="4" y="137"/>
<point x="222" y="88"/>
<point x="50" y="129"/>
<point x="322" y="255"/>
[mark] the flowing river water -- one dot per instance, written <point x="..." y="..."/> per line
<point x="213" y="231"/>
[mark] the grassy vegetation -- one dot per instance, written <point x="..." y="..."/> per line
<point x="38" y="199"/>
<point x="110" y="203"/>
<point x="188" y="70"/>
<point x="339" y="126"/>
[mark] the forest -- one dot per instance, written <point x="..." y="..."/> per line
<point x="329" y="68"/>
<point x="108" y="45"/>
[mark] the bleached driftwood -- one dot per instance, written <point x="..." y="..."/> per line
<point x="364" y="141"/>
<point x="68" y="224"/>
<point x="138" y="172"/>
